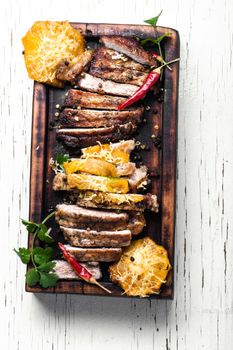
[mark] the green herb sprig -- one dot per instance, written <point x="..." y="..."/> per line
<point x="156" y="41"/>
<point x="41" y="258"/>
<point x="57" y="164"/>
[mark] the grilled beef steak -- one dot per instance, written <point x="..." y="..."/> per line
<point x="95" y="254"/>
<point x="112" y="59"/>
<point x="128" y="46"/>
<point x="99" y="220"/>
<point x="94" y="84"/>
<point x="91" y="136"/>
<point x="83" y="99"/>
<point x="90" y="238"/>
<point x="86" y="118"/>
<point x="120" y="75"/>
<point x="129" y="201"/>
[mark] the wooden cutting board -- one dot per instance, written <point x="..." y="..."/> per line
<point x="158" y="133"/>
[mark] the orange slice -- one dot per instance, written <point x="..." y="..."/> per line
<point x="97" y="183"/>
<point x="46" y="44"/>
<point x="142" y="268"/>
<point x="107" y="153"/>
<point x="91" y="166"/>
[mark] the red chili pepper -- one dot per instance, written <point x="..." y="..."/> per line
<point x="152" y="78"/>
<point x="79" y="269"/>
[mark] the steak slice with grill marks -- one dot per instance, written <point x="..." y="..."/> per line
<point x="99" y="220"/>
<point x="128" y="46"/>
<point x="83" y="99"/>
<point x="94" y="84"/>
<point x="95" y="254"/>
<point x="120" y="75"/>
<point x="91" y="238"/>
<point x="91" y="136"/>
<point x="129" y="201"/>
<point x="85" y="118"/>
<point x="112" y="59"/>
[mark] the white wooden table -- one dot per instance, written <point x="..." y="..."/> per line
<point x="201" y="314"/>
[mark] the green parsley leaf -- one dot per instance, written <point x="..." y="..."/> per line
<point x="153" y="21"/>
<point x="48" y="279"/>
<point x="32" y="277"/>
<point x="62" y="158"/>
<point x="30" y="226"/>
<point x="24" y="254"/>
<point x="43" y="234"/>
<point x="47" y="267"/>
<point x="41" y="255"/>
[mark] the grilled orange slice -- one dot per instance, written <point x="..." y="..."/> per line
<point x="107" y="153"/>
<point x="91" y="166"/>
<point x="46" y="44"/>
<point x="142" y="268"/>
<point x="97" y="183"/>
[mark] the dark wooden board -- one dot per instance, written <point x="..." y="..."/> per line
<point x="161" y="121"/>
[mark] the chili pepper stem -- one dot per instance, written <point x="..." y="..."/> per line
<point x="93" y="281"/>
<point x="167" y="63"/>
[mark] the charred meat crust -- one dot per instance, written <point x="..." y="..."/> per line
<point x="91" y="238"/>
<point x="85" y="118"/>
<point x="70" y="71"/>
<point x="128" y="46"/>
<point x="120" y="75"/>
<point x="112" y="59"/>
<point x="83" y="99"/>
<point x="95" y="254"/>
<point x="136" y="223"/>
<point x="101" y="86"/>
<point x="87" y="137"/>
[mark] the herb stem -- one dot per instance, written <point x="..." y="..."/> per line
<point x="33" y="243"/>
<point x="35" y="235"/>
<point x="48" y="217"/>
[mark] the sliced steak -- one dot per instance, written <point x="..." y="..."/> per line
<point x="112" y="59"/>
<point x="70" y="71"/>
<point x="128" y="46"/>
<point x="94" y="84"/>
<point x="78" y="217"/>
<point x="85" y="118"/>
<point x="125" y="169"/>
<point x="129" y="201"/>
<point x="120" y="75"/>
<point x="136" y="223"/>
<point x="91" y="136"/>
<point x="138" y="179"/>
<point x="83" y="99"/>
<point x="95" y="254"/>
<point x="65" y="272"/>
<point x="90" y="238"/>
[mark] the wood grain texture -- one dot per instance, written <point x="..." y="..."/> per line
<point x="201" y="315"/>
<point x="45" y="146"/>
